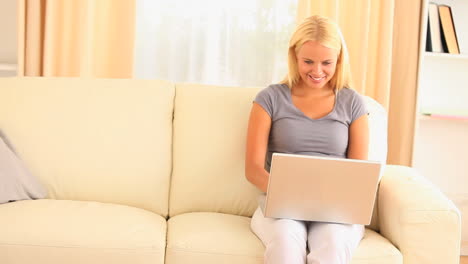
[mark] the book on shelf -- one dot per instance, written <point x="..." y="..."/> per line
<point x="449" y="36"/>
<point x="434" y="38"/>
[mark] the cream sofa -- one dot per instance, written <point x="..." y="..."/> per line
<point x="147" y="171"/>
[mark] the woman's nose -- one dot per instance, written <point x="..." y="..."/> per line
<point x="317" y="68"/>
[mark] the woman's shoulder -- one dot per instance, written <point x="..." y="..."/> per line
<point x="272" y="96"/>
<point x="277" y="88"/>
<point x="274" y="90"/>
<point x="348" y="92"/>
<point x="348" y="95"/>
<point x="351" y="102"/>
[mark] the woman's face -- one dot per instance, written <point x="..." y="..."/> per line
<point x="316" y="64"/>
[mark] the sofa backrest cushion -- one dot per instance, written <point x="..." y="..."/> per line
<point x="101" y="140"/>
<point x="377" y="143"/>
<point x="378" y="121"/>
<point x="210" y="126"/>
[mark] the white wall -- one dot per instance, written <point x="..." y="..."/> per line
<point x="441" y="147"/>
<point x="441" y="144"/>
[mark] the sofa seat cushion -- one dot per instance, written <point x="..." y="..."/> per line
<point x="60" y="231"/>
<point x="212" y="238"/>
<point x="221" y="238"/>
<point x="374" y="248"/>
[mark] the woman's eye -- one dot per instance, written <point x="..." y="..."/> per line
<point x="308" y="62"/>
<point x="326" y="63"/>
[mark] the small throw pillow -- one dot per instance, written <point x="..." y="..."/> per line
<point x="16" y="182"/>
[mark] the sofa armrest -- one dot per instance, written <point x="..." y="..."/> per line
<point x="417" y="218"/>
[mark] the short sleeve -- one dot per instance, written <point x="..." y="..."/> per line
<point x="266" y="99"/>
<point x="358" y="107"/>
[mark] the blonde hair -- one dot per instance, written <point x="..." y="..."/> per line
<point x="328" y="34"/>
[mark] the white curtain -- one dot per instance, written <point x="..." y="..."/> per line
<point x="219" y="42"/>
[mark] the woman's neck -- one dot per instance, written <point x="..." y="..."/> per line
<point x="308" y="92"/>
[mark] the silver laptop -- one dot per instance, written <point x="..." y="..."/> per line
<point x="321" y="189"/>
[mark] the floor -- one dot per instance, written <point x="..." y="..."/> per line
<point x="464" y="260"/>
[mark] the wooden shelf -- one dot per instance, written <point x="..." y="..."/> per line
<point x="444" y="111"/>
<point x="443" y="117"/>
<point x="446" y="55"/>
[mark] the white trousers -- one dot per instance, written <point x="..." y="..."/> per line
<point x="290" y="241"/>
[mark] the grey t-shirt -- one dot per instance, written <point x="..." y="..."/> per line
<point x="294" y="133"/>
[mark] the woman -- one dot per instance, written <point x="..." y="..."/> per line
<point x="313" y="111"/>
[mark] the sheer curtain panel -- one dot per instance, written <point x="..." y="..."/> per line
<point x="235" y="43"/>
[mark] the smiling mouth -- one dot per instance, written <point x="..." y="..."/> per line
<point x="317" y="78"/>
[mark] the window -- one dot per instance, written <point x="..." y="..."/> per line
<point x="234" y="43"/>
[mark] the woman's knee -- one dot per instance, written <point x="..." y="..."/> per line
<point x="289" y="238"/>
<point x="289" y="230"/>
<point x="287" y="243"/>
<point x="331" y="252"/>
<point x="335" y="232"/>
<point x="279" y="230"/>
<point x="333" y="243"/>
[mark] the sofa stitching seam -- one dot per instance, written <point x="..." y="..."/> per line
<point x="80" y="247"/>
<point x="214" y="253"/>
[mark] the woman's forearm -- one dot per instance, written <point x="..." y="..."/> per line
<point x="258" y="176"/>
